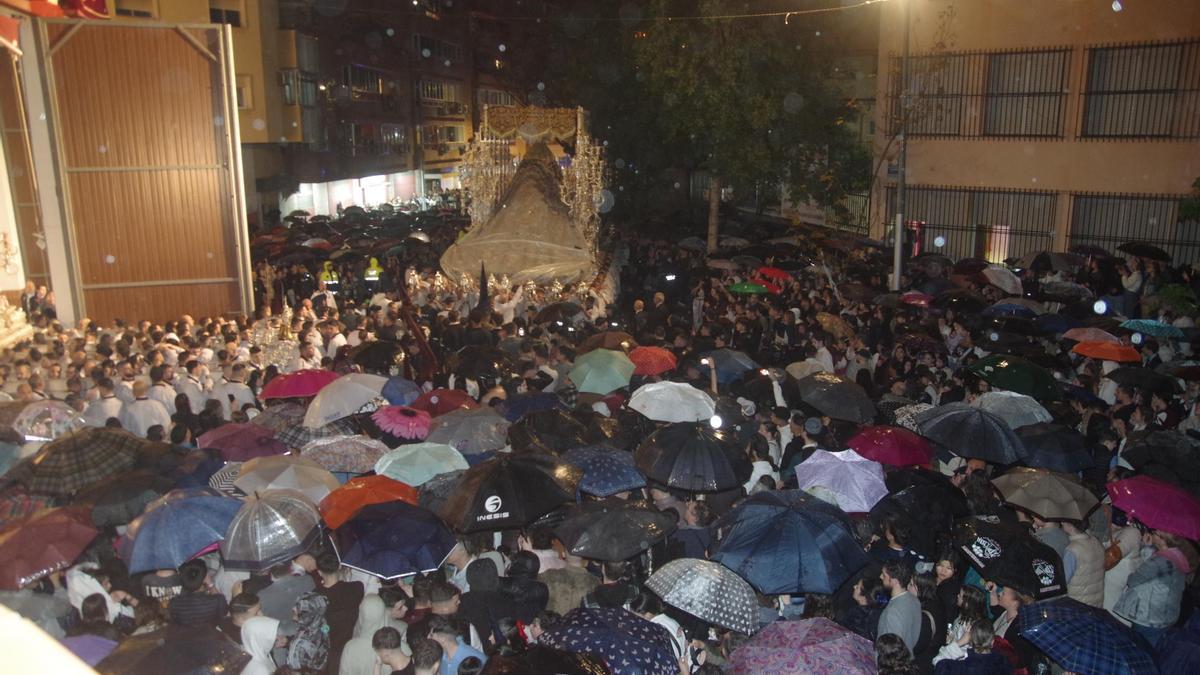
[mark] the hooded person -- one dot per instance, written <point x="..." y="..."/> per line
<point x="485" y="603"/>
<point x="259" y="634"/>
<point x="528" y="595"/>
<point x="308" y="650"/>
<point x="358" y="656"/>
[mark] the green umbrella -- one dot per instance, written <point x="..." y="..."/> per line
<point x="415" y="464"/>
<point x="1017" y="374"/>
<point x="747" y="288"/>
<point x="601" y="371"/>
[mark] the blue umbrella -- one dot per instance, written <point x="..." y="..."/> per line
<point x="399" y="391"/>
<point x="522" y="404"/>
<point x="174" y="529"/>
<point x="730" y="364"/>
<point x="1009" y="309"/>
<point x="1085" y="639"/>
<point x="629" y="644"/>
<point x="10" y="454"/>
<point x="1152" y="327"/>
<point x="393" y="540"/>
<point x="605" y="472"/>
<point x="1056" y="323"/>
<point x="787" y="541"/>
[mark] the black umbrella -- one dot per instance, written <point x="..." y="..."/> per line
<point x="508" y="492"/>
<point x="1144" y="378"/>
<point x="559" y="311"/>
<point x="437" y="490"/>
<point x="122" y="498"/>
<point x="547" y="432"/>
<point x="927" y="501"/>
<point x="1166" y="455"/>
<point x="175" y="650"/>
<point x="1055" y="447"/>
<point x="478" y="363"/>
<point x="968" y="431"/>
<point x="1009" y="556"/>
<point x="961" y="301"/>
<point x="377" y="356"/>
<point x="613" y="529"/>
<point x="692" y="456"/>
<point x="543" y="659"/>
<point x="1142" y="249"/>
<point x="837" y="397"/>
<point x="921" y="343"/>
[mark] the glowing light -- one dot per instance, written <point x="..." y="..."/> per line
<point x="715" y="421"/>
<point x="939" y="241"/>
<point x="1137" y="338"/>
<point x="1116" y="6"/>
<point x="1100" y="307"/>
<point x="670" y="277"/>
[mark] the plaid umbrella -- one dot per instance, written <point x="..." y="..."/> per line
<point x="49" y="541"/>
<point x="1085" y="639"/>
<point x="297" y="436"/>
<point x="271" y="527"/>
<point x="74" y="462"/>
<point x="16" y="502"/>
<point x="708" y="591"/>
<point x="345" y="454"/>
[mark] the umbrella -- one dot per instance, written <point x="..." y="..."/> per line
<point x="613" y="529"/>
<point x="299" y="384"/>
<point x="299" y="435"/>
<point x="559" y="311"/>
<point x="240" y="442"/>
<point x="122" y="498"/>
<point x="968" y="431"/>
<point x="1151" y="327"/>
<point x="343" y="397"/>
<point x="1091" y="335"/>
<point x="605" y="472"/>
<point x="434" y="494"/>
<point x="905" y="413"/>
<point x="747" y="261"/>
<point x="338" y="506"/>
<point x="918" y="343"/>
<point x="672" y="402"/>
<point x="1167" y="455"/>
<point x="775" y="273"/>
<point x="721" y="264"/>
<point x="345" y="454"/>
<point x="392" y="540"/>
<point x="891" y="445"/>
<point x="175" y="650"/>
<point x="629" y="644"/>
<point x="1141" y="249"/>
<point x="928" y="502"/>
<point x="78" y="460"/>
<point x="222" y="479"/>
<point x="708" y="591"/>
<point x="548" y="431"/>
<point x="521" y="405"/>
<point x="1108" y="351"/>
<point x="539" y="658"/>
<point x="280" y="415"/>
<point x="1003" y="279"/>
<point x="1007" y="309"/>
<point x="1085" y="639"/>
<point x="960" y="300"/>
<point x="1049" y="495"/>
<point x="730" y="364"/>
<point x="399" y="391"/>
<point x="47" y="421"/>
<point x="270" y="527"/>
<point x="1055" y="447"/>
<point x="802" y="369"/>
<point x="1144" y="378"/>
<point x="376" y="356"/>
<point x="852" y="482"/>
<point x="1052" y="260"/>
<point x="1158" y="504"/>
<point x="693" y="244"/>
<point x="441" y="401"/>
<point x="787" y="541"/>
<point x="609" y="339"/>
<point x="601" y="371"/>
<point x="651" y="361"/>
<point x="402" y="422"/>
<point x="470" y="431"/>
<point x="175" y="529"/>
<point x="1010" y="556"/>
<point x="835" y="325"/>
<point x="1018" y="410"/>
<point x="837" y="397"/>
<point x="916" y="298"/>
<point x="286" y="472"/>
<point x="807" y="646"/>
<point x="476" y="361"/>
<point x="747" y="288"/>
<point x="1018" y="375"/>
<point x="509" y="491"/>
<point x="692" y="456"/>
<point x="38" y="545"/>
<point x="417" y="463"/>
<point x="729" y="241"/>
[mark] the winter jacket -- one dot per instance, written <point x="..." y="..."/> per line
<point x="1153" y="591"/>
<point x="1087" y="583"/>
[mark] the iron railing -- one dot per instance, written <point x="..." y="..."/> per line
<point x="1143" y="91"/>
<point x="990" y="224"/>
<point x="1109" y="220"/>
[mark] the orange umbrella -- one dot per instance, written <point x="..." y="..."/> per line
<point x="1107" y="351"/>
<point x="340" y="505"/>
<point x="651" y="360"/>
<point x="1091" y="335"/>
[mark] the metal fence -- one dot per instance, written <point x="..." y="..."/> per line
<point x="851" y="215"/>
<point x="1143" y="91"/>
<point x="1108" y="221"/>
<point x="990" y="224"/>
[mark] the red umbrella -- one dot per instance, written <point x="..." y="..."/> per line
<point x="300" y="384"/>
<point x="1158" y="504"/>
<point x="1107" y="351"/>
<point x="652" y="360"/>
<point x="771" y="288"/>
<point x="916" y="298"/>
<point x="41" y="544"/>
<point x="891" y="445"/>
<point x="340" y="505"/>
<point x="774" y="273"/>
<point x="441" y="401"/>
<point x="240" y="442"/>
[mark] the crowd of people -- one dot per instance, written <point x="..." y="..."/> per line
<point x="793" y="352"/>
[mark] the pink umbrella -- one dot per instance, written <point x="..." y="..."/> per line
<point x="807" y="646"/>
<point x="891" y="445"/>
<point x="240" y="442"/>
<point x="1091" y="335"/>
<point x="403" y="422"/>
<point x="915" y="298"/>
<point x="300" y="384"/>
<point x="1158" y="504"/>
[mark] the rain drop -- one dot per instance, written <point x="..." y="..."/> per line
<point x="426" y="53"/>
<point x="793" y="102"/>
<point x="209" y="255"/>
<point x="939" y="241"/>
<point x="219" y="121"/>
<point x="503" y="48"/>
<point x="102" y="149"/>
<point x="446" y="63"/>
<point x="110" y="258"/>
<point x="541" y="86"/>
<point x="1116" y="6"/>
<point x="677" y="186"/>
<point x="620" y="163"/>
<point x="605" y="201"/>
<point x="259" y="124"/>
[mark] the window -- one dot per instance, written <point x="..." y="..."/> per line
<point x="363" y="80"/>
<point x="136" y="9"/>
<point x="245" y="95"/>
<point x="494" y="97"/>
<point x="435" y="134"/>
<point x="1143" y="91"/>
<point x="1025" y="94"/>
<point x="226" y="11"/>
<point x="299" y="88"/>
<point x="1109" y="220"/>
<point x="991" y="224"/>
<point x="439" y="50"/>
<point x="395" y="138"/>
<point x="937" y="92"/>
<point x="437" y="90"/>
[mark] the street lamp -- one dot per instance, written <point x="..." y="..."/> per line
<point x="901" y="183"/>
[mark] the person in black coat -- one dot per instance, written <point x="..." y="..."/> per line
<point x="485" y="604"/>
<point x="528" y="595"/>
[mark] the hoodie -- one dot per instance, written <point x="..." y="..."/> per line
<point x="258" y="639"/>
<point x="484" y="604"/>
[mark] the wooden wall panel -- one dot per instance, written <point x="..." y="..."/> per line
<point x="21" y="174"/>
<point x="161" y="303"/>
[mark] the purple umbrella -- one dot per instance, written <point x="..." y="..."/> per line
<point x="846" y="479"/>
<point x="241" y="442"/>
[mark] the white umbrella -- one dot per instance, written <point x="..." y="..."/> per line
<point x="342" y="398"/>
<point x="673" y="402"/>
<point x="855" y="482"/>
<point x="802" y="369"/>
<point x="415" y="464"/>
<point x="286" y="472"/>
<point x="270" y="528"/>
<point x="1018" y="410"/>
<point x="1003" y="278"/>
<point x="470" y="431"/>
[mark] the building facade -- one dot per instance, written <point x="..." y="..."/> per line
<point x="1040" y="127"/>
